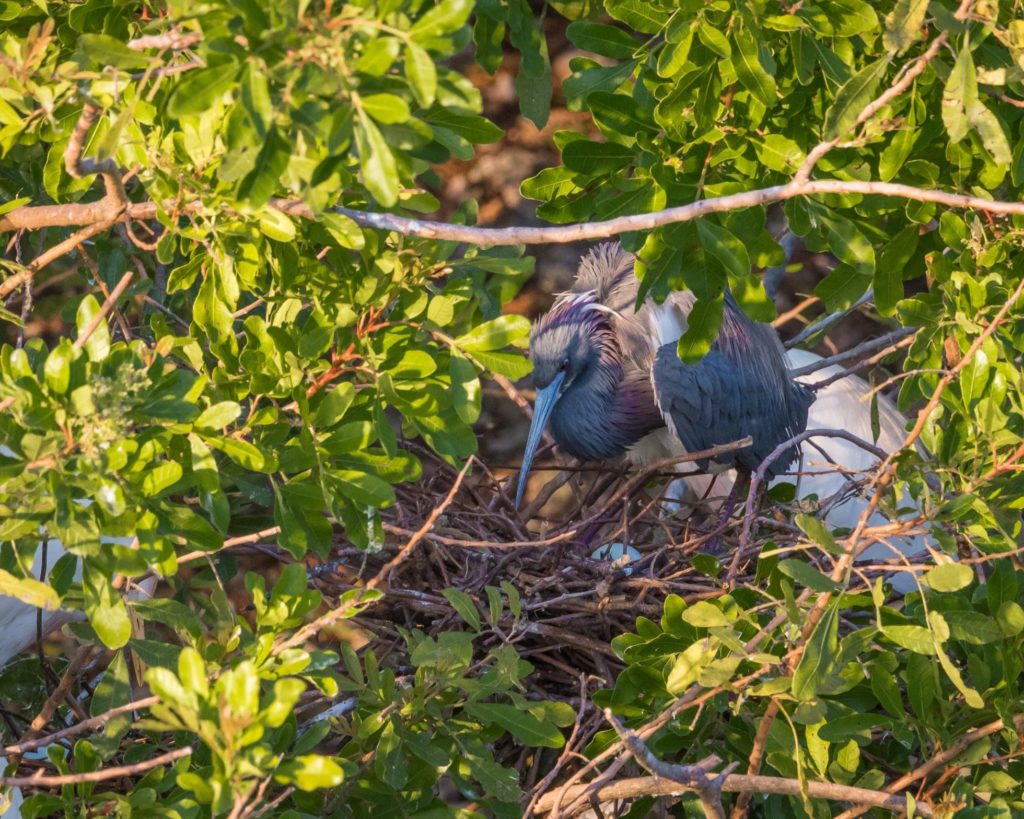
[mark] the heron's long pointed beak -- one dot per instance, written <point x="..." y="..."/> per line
<point x="542" y="407"/>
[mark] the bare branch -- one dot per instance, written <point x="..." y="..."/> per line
<point x="738" y="783"/>
<point x="116" y="200"/>
<point x="827" y="321"/>
<point x="12" y="283"/>
<point x="33" y="218"/>
<point x="114" y="772"/>
<point x="80" y="727"/>
<point x="691" y="777"/>
<point x="108" y="305"/>
<point x="889" y="339"/>
<point x="173" y="39"/>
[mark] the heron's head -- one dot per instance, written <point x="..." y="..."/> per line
<point x="566" y="347"/>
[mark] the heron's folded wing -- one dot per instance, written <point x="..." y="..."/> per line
<point x="722" y="399"/>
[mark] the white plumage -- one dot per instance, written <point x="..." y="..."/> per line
<point x="844" y="404"/>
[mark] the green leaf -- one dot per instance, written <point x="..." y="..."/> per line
<point x="262" y="181"/>
<point x="963" y="110"/>
<point x="993" y="137"/>
<point x="218" y="416"/>
<point x="160" y="477"/>
<point x="594" y="158"/>
<point x="243" y="453"/>
<point x="114" y="687"/>
<point x="1010" y="618"/>
<point x="443" y="18"/>
<point x="705" y="615"/>
<point x="913" y="638"/>
<point x="779" y="153"/>
<point x="853" y="98"/>
<point x="361" y="488"/>
<point x="896" y="152"/>
<point x="380" y="174"/>
<point x="343" y="230"/>
<point x="464" y="605"/>
<point x="97" y="345"/>
<point x="465" y="388"/>
<point x="892" y="262"/>
<point x="386" y="108"/>
<point x="199" y="89"/>
<point x="533" y="78"/>
<point x="57" y="370"/>
<point x="334" y="405"/>
<point x="495" y="334"/>
<point x="110" y="51"/>
<point x="807" y="575"/>
<point x="104" y="607"/>
<point x="510" y="365"/>
<point x="714" y="39"/>
<point x="843" y="286"/>
<point x="940" y="633"/>
<point x="949" y="577"/>
<point x="472" y="127"/>
<point x="818" y="532"/>
<point x="620" y="114"/>
<point x="421" y="72"/>
<point x="903" y="25"/>
<point x="702" y="328"/>
<point x="642" y="15"/>
<point x="751" y="72"/>
<point x="276" y="225"/>
<point x="819" y="656"/>
<point x="29" y="591"/>
<point x="310" y="772"/>
<point x="725" y="247"/>
<point x="14" y="204"/>
<point x="608" y="41"/>
<point x="521" y="724"/>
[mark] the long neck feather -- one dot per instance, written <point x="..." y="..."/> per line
<point x="611" y="405"/>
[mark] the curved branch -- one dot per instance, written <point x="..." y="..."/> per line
<point x="115" y="772"/>
<point x="738" y="783"/>
<point x="28" y="217"/>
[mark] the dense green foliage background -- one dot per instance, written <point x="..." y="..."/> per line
<point x="280" y="357"/>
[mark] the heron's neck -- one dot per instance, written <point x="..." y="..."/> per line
<point x="606" y="411"/>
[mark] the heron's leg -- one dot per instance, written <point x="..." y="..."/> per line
<point x="739" y="488"/>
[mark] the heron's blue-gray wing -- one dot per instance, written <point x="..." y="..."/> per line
<point x="726" y="396"/>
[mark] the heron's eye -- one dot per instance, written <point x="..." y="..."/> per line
<point x="564" y="366"/>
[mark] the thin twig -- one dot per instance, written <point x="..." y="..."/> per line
<point x="825" y="322"/>
<point x="107" y="306"/>
<point x="12" y="283"/>
<point x="98" y="721"/>
<point x="102" y="775"/>
<point x="886" y="341"/>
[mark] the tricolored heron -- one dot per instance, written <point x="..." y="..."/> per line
<point x="610" y="382"/>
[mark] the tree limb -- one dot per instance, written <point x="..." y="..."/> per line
<point x="114" y="772"/>
<point x="691" y="777"/>
<point x="29" y="217"/>
<point x="739" y="783"/>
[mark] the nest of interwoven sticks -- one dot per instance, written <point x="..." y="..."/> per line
<point x="577" y="593"/>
